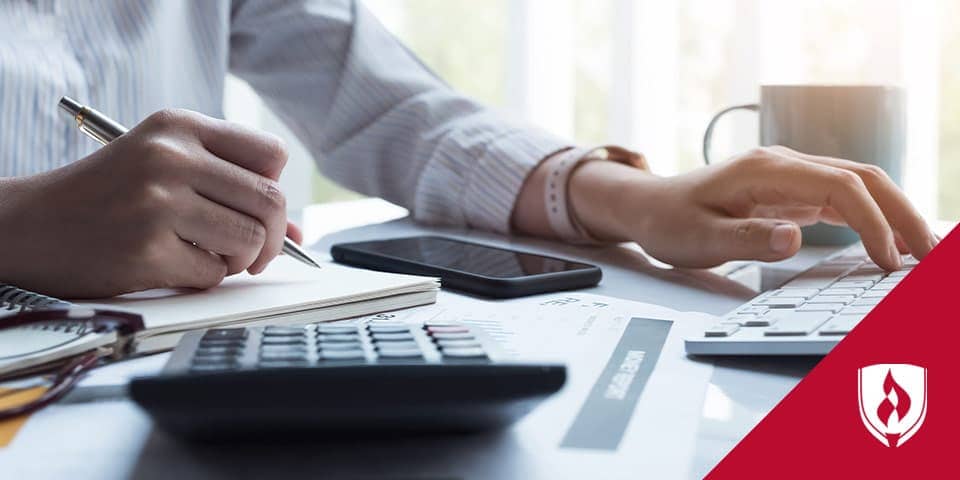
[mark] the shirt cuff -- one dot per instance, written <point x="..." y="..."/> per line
<point x="475" y="181"/>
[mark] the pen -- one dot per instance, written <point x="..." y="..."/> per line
<point x="102" y="129"/>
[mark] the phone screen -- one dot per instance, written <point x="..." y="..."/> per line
<point x="467" y="257"/>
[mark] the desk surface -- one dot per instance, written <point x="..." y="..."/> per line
<point x="111" y="438"/>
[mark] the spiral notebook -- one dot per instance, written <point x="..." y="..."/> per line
<point x="287" y="292"/>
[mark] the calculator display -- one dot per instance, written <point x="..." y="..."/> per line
<point x="468" y="257"/>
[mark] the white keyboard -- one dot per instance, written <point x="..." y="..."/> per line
<point x="809" y="314"/>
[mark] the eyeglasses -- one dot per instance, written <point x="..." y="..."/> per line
<point x="92" y="319"/>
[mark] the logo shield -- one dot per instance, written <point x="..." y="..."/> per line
<point x="893" y="401"/>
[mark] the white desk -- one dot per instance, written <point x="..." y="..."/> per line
<point x="111" y="438"/>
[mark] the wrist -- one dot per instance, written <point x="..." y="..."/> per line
<point x="612" y="201"/>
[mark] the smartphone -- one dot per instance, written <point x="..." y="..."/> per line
<point x="469" y="267"/>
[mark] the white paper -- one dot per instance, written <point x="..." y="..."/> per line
<point x="582" y="330"/>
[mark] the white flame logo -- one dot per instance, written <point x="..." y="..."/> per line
<point x="893" y="401"/>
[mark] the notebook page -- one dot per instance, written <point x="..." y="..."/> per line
<point x="285" y="286"/>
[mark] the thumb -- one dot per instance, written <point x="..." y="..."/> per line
<point x="755" y="239"/>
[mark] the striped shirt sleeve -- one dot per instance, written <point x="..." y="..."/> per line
<point x="376" y="119"/>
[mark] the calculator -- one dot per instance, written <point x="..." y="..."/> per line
<point x="337" y="379"/>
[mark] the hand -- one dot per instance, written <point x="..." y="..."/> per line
<point x="752" y="206"/>
<point x="748" y="208"/>
<point x="179" y="201"/>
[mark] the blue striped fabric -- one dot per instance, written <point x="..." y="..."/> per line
<point x="376" y="120"/>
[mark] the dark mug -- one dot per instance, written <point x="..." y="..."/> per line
<point x="861" y="123"/>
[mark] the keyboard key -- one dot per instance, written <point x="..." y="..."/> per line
<point x="875" y="294"/>
<point x="866" y="302"/>
<point x="796" y="323"/>
<point x="856" y="310"/>
<point x="853" y="284"/>
<point x="844" y="299"/>
<point x="842" y="291"/>
<point x="354" y="354"/>
<point x="739" y="319"/>
<point x="796" y="292"/>
<point x="821" y="307"/>
<point x="764" y="321"/>
<point x="752" y="310"/>
<point x="392" y="337"/>
<point x="225" y="334"/>
<point x="840" y="325"/>
<point x="338" y="337"/>
<point x="334" y="329"/>
<point x="863" y="277"/>
<point x="898" y="274"/>
<point x="722" y="330"/>
<point x="883" y="287"/>
<point x="782" y="302"/>
<point x="464" y="353"/>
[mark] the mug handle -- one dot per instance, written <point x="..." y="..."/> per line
<point x="708" y="135"/>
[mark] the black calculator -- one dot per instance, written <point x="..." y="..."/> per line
<point x="339" y="379"/>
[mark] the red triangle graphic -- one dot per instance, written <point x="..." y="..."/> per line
<point x="816" y="430"/>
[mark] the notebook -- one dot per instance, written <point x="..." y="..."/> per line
<point x="287" y="292"/>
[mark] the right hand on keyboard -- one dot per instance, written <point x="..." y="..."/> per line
<point x="179" y="201"/>
<point x="752" y="207"/>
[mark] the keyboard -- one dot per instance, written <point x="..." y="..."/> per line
<point x="336" y="379"/>
<point x="806" y="316"/>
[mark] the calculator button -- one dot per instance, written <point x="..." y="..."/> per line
<point x="211" y="351"/>
<point x="226" y="343"/>
<point x="288" y="355"/>
<point x="464" y="352"/>
<point x="402" y="353"/>
<point x="458" y="344"/>
<point x="442" y="323"/>
<point x="354" y="354"/>
<point x="433" y="330"/>
<point x="283" y="331"/>
<point x="341" y="345"/>
<point x="225" y="334"/>
<point x="397" y="346"/>
<point x="283" y="350"/>
<point x="211" y="367"/>
<point x="393" y="328"/>
<point x="227" y="361"/>
<point x="392" y="337"/>
<point x="336" y="329"/>
<point x="282" y="363"/>
<point x="338" y="337"/>
<point x="282" y="341"/>
<point x="452" y="336"/>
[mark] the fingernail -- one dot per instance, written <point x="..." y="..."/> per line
<point x="895" y="257"/>
<point x="781" y="238"/>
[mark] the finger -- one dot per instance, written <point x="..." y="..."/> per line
<point x="236" y="237"/>
<point x="196" y="268"/>
<point x="259" y="152"/>
<point x="752" y="239"/>
<point x="901" y="245"/>
<point x="776" y="179"/>
<point x="294" y="233"/>
<point x="248" y="193"/>
<point x="897" y="208"/>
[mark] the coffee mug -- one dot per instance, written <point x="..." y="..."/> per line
<point x="861" y="123"/>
